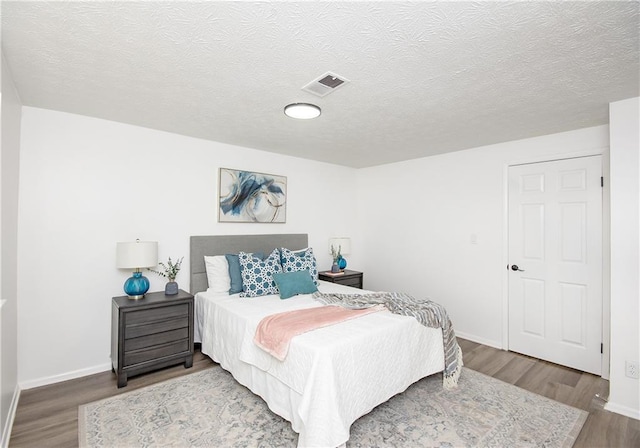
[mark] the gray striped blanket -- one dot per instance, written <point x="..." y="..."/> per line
<point x="426" y="312"/>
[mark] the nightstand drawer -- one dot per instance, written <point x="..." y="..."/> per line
<point x="347" y="278"/>
<point x="156" y="314"/>
<point x="155" y="339"/>
<point x="135" y="331"/>
<point x="355" y="282"/>
<point x="156" y="352"/>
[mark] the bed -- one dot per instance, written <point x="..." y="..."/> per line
<point x="331" y="376"/>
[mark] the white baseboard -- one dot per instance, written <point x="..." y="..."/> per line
<point x="473" y="338"/>
<point x="623" y="410"/>
<point x="30" y="384"/>
<point x="11" y="415"/>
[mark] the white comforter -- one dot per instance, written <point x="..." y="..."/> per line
<point x="331" y="376"/>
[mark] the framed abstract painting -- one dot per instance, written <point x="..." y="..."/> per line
<point x="245" y="196"/>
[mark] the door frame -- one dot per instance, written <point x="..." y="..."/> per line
<point x="606" y="244"/>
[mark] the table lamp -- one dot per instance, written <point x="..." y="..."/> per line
<point x="342" y="245"/>
<point x="136" y="255"/>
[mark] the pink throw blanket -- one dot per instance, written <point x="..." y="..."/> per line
<point x="274" y="333"/>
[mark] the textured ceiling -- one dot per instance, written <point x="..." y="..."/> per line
<point x="425" y="77"/>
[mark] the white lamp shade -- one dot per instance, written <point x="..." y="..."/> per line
<point x="138" y="254"/>
<point x="343" y="243"/>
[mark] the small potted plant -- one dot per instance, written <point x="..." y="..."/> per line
<point x="170" y="272"/>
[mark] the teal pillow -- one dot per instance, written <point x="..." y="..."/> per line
<point x="235" y="272"/>
<point x="294" y="283"/>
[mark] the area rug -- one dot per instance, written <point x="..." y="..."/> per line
<point x="210" y="409"/>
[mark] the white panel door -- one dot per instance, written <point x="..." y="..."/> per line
<point x="555" y="261"/>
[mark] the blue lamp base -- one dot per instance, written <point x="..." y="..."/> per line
<point x="136" y="287"/>
<point x="342" y="263"/>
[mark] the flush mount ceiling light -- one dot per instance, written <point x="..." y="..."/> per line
<point x="302" y="111"/>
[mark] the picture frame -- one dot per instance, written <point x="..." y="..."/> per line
<point x="251" y="197"/>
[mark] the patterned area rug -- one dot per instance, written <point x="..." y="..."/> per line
<point x="210" y="408"/>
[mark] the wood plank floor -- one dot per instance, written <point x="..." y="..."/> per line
<point x="572" y="387"/>
<point x="48" y="416"/>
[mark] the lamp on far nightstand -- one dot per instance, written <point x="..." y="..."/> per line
<point x="342" y="246"/>
<point x="136" y="255"/>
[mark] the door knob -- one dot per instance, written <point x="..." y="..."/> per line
<point x="514" y="267"/>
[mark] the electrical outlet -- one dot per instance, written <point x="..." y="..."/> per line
<point x="631" y="369"/>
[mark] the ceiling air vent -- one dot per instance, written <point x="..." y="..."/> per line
<point x="325" y="84"/>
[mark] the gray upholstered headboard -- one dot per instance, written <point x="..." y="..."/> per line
<point x="232" y="244"/>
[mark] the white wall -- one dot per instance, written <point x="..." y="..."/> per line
<point x="9" y="168"/>
<point x="87" y="183"/>
<point x="624" y="118"/>
<point x="82" y="178"/>
<point x="417" y="218"/>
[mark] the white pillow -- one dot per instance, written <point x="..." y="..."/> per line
<point x="217" y="274"/>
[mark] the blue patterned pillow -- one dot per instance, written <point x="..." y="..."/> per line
<point x="299" y="261"/>
<point x="257" y="274"/>
<point x="235" y="271"/>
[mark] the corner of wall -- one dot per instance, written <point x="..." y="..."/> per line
<point x="9" y="185"/>
<point x="11" y="415"/>
<point x="624" y="119"/>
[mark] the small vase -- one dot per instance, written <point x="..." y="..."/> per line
<point x="171" y="289"/>
<point x="335" y="268"/>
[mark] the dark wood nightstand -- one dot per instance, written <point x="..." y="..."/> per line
<point x="150" y="333"/>
<point x="349" y="278"/>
